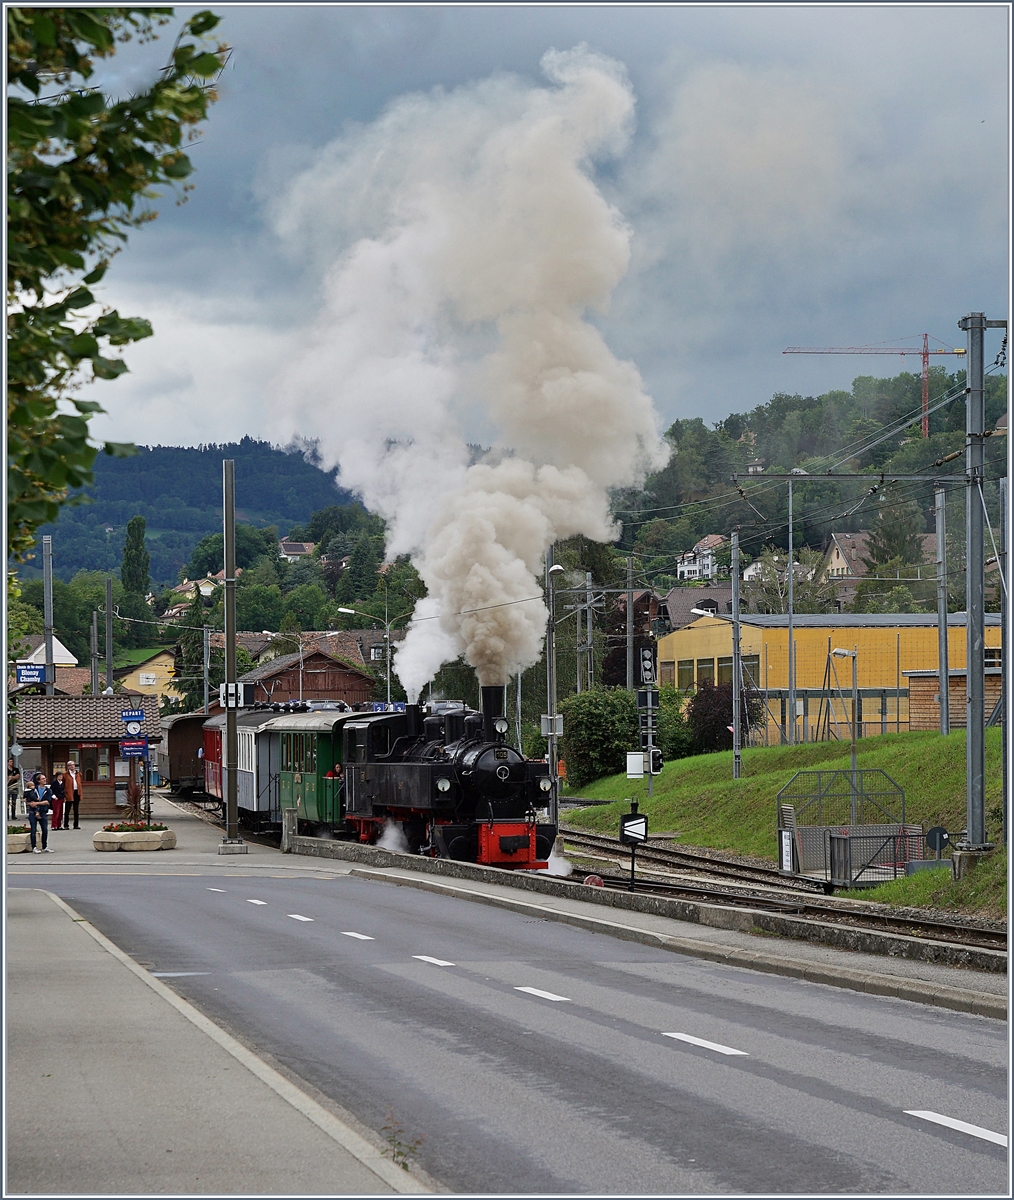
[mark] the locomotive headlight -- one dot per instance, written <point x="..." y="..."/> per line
<point x="545" y="784"/>
<point x="501" y="726"/>
<point x="443" y="784"/>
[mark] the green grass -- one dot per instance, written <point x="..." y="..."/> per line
<point x="698" y="798"/>
<point x="984" y="891"/>
<point x="134" y="658"/>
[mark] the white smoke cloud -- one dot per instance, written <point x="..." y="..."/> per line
<point x="488" y="245"/>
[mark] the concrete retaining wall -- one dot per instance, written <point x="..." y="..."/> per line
<point x="745" y="920"/>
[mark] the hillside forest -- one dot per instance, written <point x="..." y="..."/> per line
<point x="872" y="429"/>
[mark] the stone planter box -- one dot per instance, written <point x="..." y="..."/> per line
<point x="18" y="843"/>
<point x="140" y="839"/>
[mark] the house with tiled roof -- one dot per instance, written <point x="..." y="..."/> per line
<point x="844" y="562"/>
<point x="701" y="562"/>
<point x="314" y="673"/>
<point x="293" y="551"/>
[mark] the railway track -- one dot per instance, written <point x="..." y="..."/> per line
<point x="682" y="860"/>
<point x="801" y="904"/>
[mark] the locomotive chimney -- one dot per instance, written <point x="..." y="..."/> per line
<point x="413" y="720"/>
<point x="492" y="707"/>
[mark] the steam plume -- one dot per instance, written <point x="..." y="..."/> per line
<point x="463" y="307"/>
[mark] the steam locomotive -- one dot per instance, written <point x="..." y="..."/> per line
<point x="444" y="778"/>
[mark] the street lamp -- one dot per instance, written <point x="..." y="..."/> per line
<point x="387" y="636"/>
<point x="853" y="654"/>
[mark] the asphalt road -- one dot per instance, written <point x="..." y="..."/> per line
<point x="509" y="1054"/>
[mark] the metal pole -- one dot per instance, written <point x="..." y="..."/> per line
<point x="791" y="723"/>
<point x="975" y="584"/>
<point x="1004" y="613"/>
<point x="517" y="709"/>
<point x="207" y="664"/>
<point x="231" y="763"/>
<point x="737" y="663"/>
<point x="109" y="631"/>
<point x="577" y="647"/>
<point x="590" y="655"/>
<point x="940" y="497"/>
<point x="855" y="718"/>
<point x="551" y="752"/>
<point x="630" y="624"/>
<point x="95" y="653"/>
<point x="47" y="605"/>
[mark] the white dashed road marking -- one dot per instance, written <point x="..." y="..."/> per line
<point x="545" y="995"/>
<point x="177" y="974"/>
<point x="363" y="937"/>
<point x="961" y="1126"/>
<point x="437" y="962"/>
<point x="215" y="889"/>
<point x="297" y="917"/>
<point x="257" y="902"/>
<point x="695" y="1041"/>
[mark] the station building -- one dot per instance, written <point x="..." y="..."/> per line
<point x="890" y="648"/>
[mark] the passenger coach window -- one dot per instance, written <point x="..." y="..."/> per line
<point x="312" y="739"/>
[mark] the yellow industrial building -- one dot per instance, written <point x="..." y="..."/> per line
<point x="887" y="646"/>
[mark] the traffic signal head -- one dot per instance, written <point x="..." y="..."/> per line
<point x="647" y="665"/>
<point x="656" y="761"/>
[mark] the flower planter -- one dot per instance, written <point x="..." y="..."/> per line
<point x="135" y="839"/>
<point x="18" y="843"/>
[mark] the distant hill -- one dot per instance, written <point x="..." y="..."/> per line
<point x="178" y="490"/>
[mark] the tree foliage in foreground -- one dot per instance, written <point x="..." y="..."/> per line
<point x="81" y="169"/>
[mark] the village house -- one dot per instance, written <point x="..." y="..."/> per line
<point x="151" y="672"/>
<point x="844" y="563"/>
<point x="312" y="674"/>
<point x="701" y="561"/>
<point x="292" y="552"/>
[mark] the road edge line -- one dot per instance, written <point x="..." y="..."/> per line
<point x="938" y="995"/>
<point x="336" y="1129"/>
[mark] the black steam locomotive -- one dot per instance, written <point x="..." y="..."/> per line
<point x="450" y="782"/>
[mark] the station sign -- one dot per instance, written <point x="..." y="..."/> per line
<point x="134" y="748"/>
<point x="31" y="673"/>
<point x="380" y="706"/>
<point x="132" y="714"/>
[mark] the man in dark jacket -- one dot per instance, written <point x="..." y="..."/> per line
<point x="38" y="801"/>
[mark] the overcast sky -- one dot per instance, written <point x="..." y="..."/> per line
<point x="794" y="176"/>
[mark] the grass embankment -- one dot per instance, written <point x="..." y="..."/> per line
<point x="698" y="798"/>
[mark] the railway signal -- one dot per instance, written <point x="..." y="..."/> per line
<point x="647" y="665"/>
<point x="633" y="832"/>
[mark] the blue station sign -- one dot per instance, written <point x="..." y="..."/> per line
<point x="32" y="673"/>
<point x="134" y="748"/>
<point x="132" y="714"/>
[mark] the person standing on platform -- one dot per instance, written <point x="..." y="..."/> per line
<point x="56" y="787"/>
<point x="72" y="795"/>
<point x="13" y="786"/>
<point x="37" y="801"/>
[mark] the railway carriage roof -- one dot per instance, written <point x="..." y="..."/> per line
<point x="244" y="720"/>
<point x="321" y="722"/>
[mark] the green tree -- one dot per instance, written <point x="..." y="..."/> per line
<point x="251" y="544"/>
<point x="599" y="726"/>
<point x="359" y="579"/>
<point x="259" y="607"/>
<point x="136" y="559"/>
<point x="305" y="604"/>
<point x="81" y="169"/>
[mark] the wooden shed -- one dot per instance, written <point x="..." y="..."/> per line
<point x="924" y="696"/>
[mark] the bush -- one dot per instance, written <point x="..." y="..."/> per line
<point x="675" y="737"/>
<point x="599" y="727"/>
<point x="709" y="716"/>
